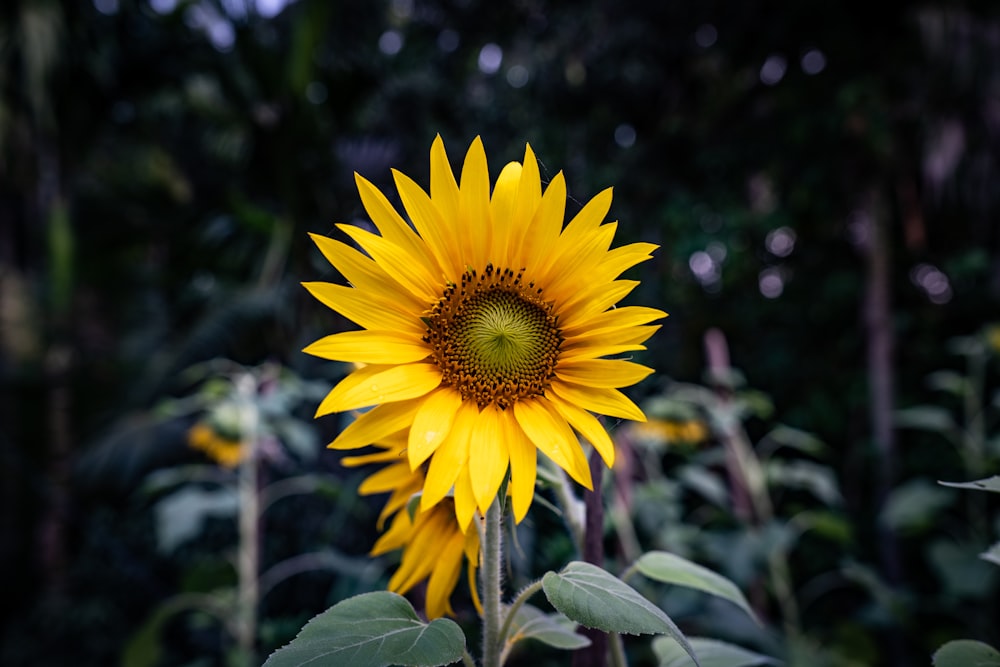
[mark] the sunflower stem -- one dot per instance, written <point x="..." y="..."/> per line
<point x="492" y="552"/>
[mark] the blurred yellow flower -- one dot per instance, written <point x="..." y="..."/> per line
<point x="484" y="328"/>
<point x="670" y="431"/>
<point x="993" y="338"/>
<point x="224" y="451"/>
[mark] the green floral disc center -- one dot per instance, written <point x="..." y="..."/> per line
<point x="494" y="338"/>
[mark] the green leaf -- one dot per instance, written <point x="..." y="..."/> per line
<point x="966" y="653"/>
<point x="182" y="515"/>
<point x="552" y="629"/>
<point x="711" y="653"/>
<point x="961" y="569"/>
<point x="926" y="418"/>
<point x="915" y="505"/>
<point x="672" y="569"/>
<point x="812" y="477"/>
<point x="948" y="381"/>
<point x="597" y="599"/>
<point x="988" y="484"/>
<point x="372" y="630"/>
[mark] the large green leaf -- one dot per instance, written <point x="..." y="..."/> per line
<point x="672" y="569"/>
<point x="597" y="599"/>
<point x="552" y="629"/>
<point x="372" y="630"/>
<point x="988" y="484"/>
<point x="966" y="653"/>
<point x="710" y="652"/>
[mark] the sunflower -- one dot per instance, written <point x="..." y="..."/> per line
<point x="485" y="327"/>
<point x="433" y="542"/>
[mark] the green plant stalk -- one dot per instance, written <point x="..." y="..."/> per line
<point x="492" y="559"/>
<point x="248" y="563"/>
<point x="617" y="650"/>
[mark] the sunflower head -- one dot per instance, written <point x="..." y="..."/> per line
<point x="489" y="330"/>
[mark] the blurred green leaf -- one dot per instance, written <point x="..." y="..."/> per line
<point x="927" y="418"/>
<point x="915" y="505"/>
<point x="818" y="479"/>
<point x="705" y="482"/>
<point x="182" y="515"/>
<point x="710" y="652"/>
<point x="966" y="653"/>
<point x="961" y="570"/>
<point x="553" y="629"/>
<point x="948" y="381"/>
<point x="670" y="568"/>
<point x="793" y="438"/>
<point x="372" y="630"/>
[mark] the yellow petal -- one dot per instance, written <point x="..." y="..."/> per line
<point x="487" y="457"/>
<point x="379" y="457"/>
<point x="603" y="401"/>
<point x="377" y="423"/>
<point x="579" y="352"/>
<point x="618" y="260"/>
<point x="365" y="308"/>
<point x="444" y="577"/>
<point x="362" y="272"/>
<point x="444" y="189"/>
<point x="572" y="264"/>
<point x="393" y="227"/>
<point x="474" y="206"/>
<point x="602" y="372"/>
<point x="529" y="196"/>
<point x="523" y="465"/>
<point x="394" y="538"/>
<point x="450" y="457"/>
<point x="437" y="230"/>
<point x="421" y="552"/>
<point x="592" y="214"/>
<point x="370" y="385"/>
<point x="502" y="210"/>
<point x="370" y="347"/>
<point x="386" y="479"/>
<point x="549" y="432"/>
<point x="618" y="319"/>
<point x="609" y="296"/>
<point x="608" y="339"/>
<point x="588" y="426"/>
<point x="431" y="424"/>
<point x="546" y="225"/>
<point x="465" y="499"/>
<point x="398" y="263"/>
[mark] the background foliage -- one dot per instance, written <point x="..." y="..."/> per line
<point x="821" y="178"/>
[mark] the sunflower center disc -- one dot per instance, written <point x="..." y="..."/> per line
<point x="494" y="338"/>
